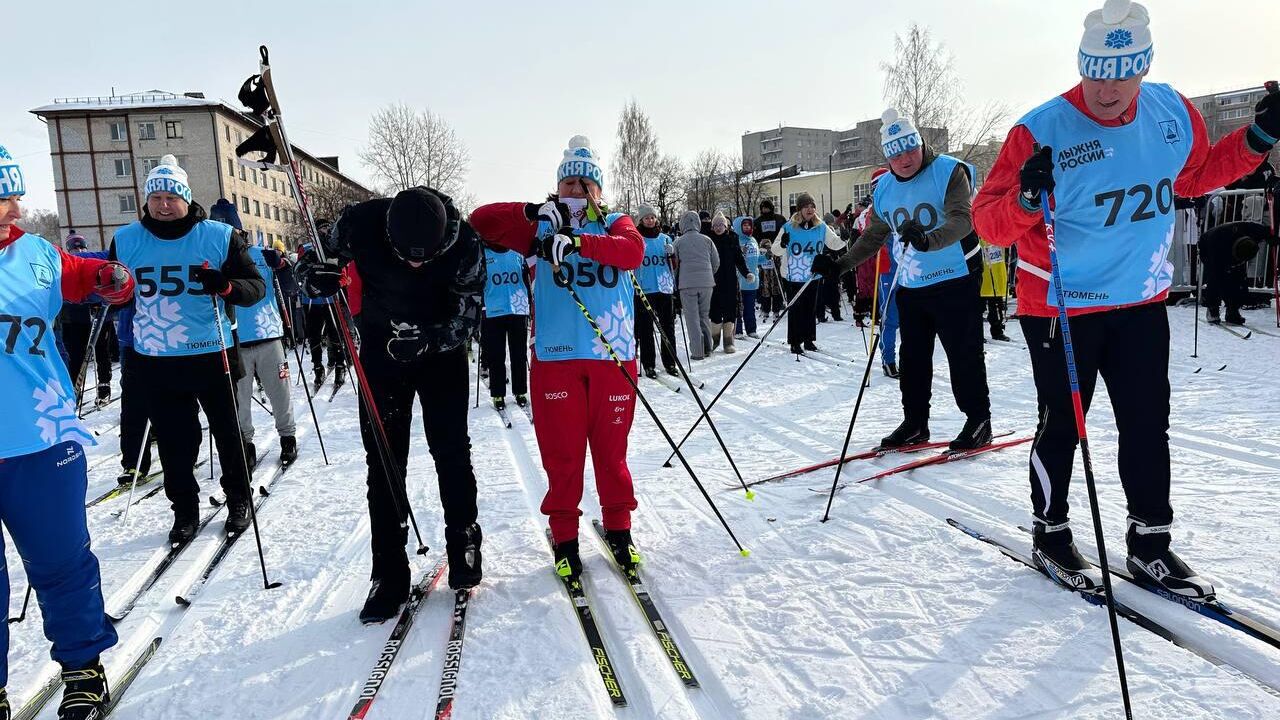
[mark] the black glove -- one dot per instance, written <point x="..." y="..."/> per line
<point x="912" y="233"/>
<point x="554" y="248"/>
<point x="553" y="212"/>
<point x="214" y="282"/>
<point x="446" y="336"/>
<point x="1267" y="118"/>
<point x="321" y="279"/>
<point x="1037" y="175"/>
<point x="406" y="343"/>
<point x="824" y="265"/>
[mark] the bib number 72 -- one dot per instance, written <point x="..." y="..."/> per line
<point x="1144" y="194"/>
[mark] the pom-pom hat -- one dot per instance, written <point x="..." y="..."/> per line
<point x="11" y="182"/>
<point x="580" y="161"/>
<point x="1116" y="44"/>
<point x="168" y="177"/>
<point x="897" y="134"/>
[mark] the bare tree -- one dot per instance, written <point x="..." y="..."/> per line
<point x="707" y="183"/>
<point x="745" y="191"/>
<point x="636" y="159"/>
<point x="327" y="201"/>
<point x="921" y="82"/>
<point x="669" y="184"/>
<point x="43" y="223"/>
<point x="408" y="148"/>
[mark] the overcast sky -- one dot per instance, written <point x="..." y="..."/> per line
<point x="517" y="79"/>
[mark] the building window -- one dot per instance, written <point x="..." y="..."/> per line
<point x="173" y="129"/>
<point x="241" y="172"/>
<point x="257" y="208"/>
<point x="149" y="164"/>
<point x="128" y="204"/>
<point x="147" y="131"/>
<point x="254" y="172"/>
<point x="244" y="205"/>
<point x="226" y="130"/>
<point x="277" y="212"/>
<point x="124" y="168"/>
<point x="119" y="131"/>
<point x="235" y="199"/>
<point x="239" y="137"/>
<point x="231" y="168"/>
<point x="264" y="178"/>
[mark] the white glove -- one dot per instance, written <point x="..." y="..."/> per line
<point x="554" y="249"/>
<point x="751" y="277"/>
<point x="554" y="214"/>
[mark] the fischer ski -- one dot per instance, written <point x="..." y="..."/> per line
<point x="502" y="413"/>
<point x="650" y="609"/>
<point x="943" y="457"/>
<point x="1096" y="597"/>
<point x="391" y="649"/>
<point x="453" y="656"/>
<point x="590" y="630"/>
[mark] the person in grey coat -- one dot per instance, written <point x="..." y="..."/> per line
<point x="696" y="263"/>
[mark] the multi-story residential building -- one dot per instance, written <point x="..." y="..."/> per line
<point x="103" y="147"/>
<point x="812" y="148"/>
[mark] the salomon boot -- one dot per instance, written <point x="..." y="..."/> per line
<point x="85" y="695"/>
<point x="1151" y="559"/>
<point x="1054" y="551"/>
<point x="463" y="548"/>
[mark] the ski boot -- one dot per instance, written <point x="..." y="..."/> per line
<point x="891" y="370"/>
<point x="1233" y="317"/>
<point x="104" y="394"/>
<point x="288" y="450"/>
<point x="250" y="454"/>
<point x="672" y="370"/>
<point x="463" y="548"/>
<point x="318" y="380"/>
<point x="999" y="335"/>
<point x="339" y="375"/>
<point x="85" y="696"/>
<point x="908" y="433"/>
<point x="499" y="403"/>
<point x="237" y="515"/>
<point x="522" y="400"/>
<point x="796" y="349"/>
<point x="810" y="346"/>
<point x="1212" y="316"/>
<point x="753" y="335"/>
<point x="624" y="551"/>
<point x="651" y="373"/>
<point x="185" y="523"/>
<point x="1151" y="559"/>
<point x="125" y="479"/>
<point x="387" y="594"/>
<point x="973" y="435"/>
<point x="568" y="563"/>
<point x="1054" y="551"/>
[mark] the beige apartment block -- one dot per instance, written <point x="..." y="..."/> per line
<point x="103" y="147"/>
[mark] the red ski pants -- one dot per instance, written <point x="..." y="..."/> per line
<point x="577" y="403"/>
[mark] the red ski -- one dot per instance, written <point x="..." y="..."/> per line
<point x="871" y="454"/>
<point x="943" y="457"/>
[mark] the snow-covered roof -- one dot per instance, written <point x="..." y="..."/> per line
<point x="131" y="101"/>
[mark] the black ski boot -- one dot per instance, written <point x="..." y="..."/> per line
<point x="85" y="696"/>
<point x="499" y="403"/>
<point x="999" y="335"/>
<point x="237" y="515"/>
<point x="1150" y="558"/>
<point x="250" y="454"/>
<point x="909" y="432"/>
<point x="288" y="449"/>
<point x="125" y="479"/>
<point x="1233" y="317"/>
<point x="796" y="349"/>
<point x="339" y="375"/>
<point x="319" y="379"/>
<point x="651" y="373"/>
<point x="891" y="370"/>
<point x="522" y="400"/>
<point x="104" y="394"/>
<point x="624" y="551"/>
<point x="463" y="548"/>
<point x="568" y="563"/>
<point x="810" y="346"/>
<point x="973" y="435"/>
<point x="185" y="523"/>
<point x="1054" y="550"/>
<point x="1212" y="316"/>
<point x="672" y="370"/>
<point x="388" y="593"/>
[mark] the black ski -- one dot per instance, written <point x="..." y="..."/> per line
<point x="338" y="383"/>
<point x="453" y="656"/>
<point x="122" y="490"/>
<point x="528" y="411"/>
<point x="391" y="649"/>
<point x="650" y="609"/>
<point x="1213" y="608"/>
<point x="165" y="563"/>
<point x="582" y="606"/>
<point x="1245" y="335"/>
<point x="118" y="686"/>
<point x="502" y="413"/>
<point x="1096" y="597"/>
<point x="36" y="703"/>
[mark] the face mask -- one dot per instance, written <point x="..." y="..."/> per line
<point x="577" y="211"/>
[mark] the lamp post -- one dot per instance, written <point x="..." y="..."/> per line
<point x="830" y="191"/>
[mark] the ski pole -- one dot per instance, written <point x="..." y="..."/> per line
<point x="477" y="405"/>
<point x="759" y="343"/>
<point x="862" y="389"/>
<point x="275" y="281"/>
<point x="1078" y="405"/>
<point x="133" y="483"/>
<point x="83" y="373"/>
<point x="244" y="461"/>
<point x="261" y="404"/>
<point x="23" y="614"/>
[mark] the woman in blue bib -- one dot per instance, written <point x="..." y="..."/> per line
<point x="801" y="240"/>
<point x="924" y="204"/>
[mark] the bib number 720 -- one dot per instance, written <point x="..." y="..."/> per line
<point x="1162" y="194"/>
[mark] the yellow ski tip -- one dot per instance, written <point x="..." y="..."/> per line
<point x="745" y="553"/>
<point x="751" y="495"/>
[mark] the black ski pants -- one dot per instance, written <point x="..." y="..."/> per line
<point x="173" y="391"/>
<point x="321" y="331"/>
<point x="1222" y="285"/>
<point x="133" y="417"/>
<point x="498" y="337"/>
<point x="949" y="311"/>
<point x="644" y="330"/>
<point x="439" y="381"/>
<point x="1130" y="349"/>
<point x="802" y="321"/>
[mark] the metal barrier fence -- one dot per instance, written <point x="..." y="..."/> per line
<point x="1222" y="207"/>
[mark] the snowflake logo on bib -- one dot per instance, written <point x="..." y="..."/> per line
<point x="519" y="302"/>
<point x="666" y="283"/>
<point x="1160" y="271"/>
<point x="618" y="329"/>
<point x="158" y="325"/>
<point x="1118" y="38"/>
<point x="57" y="419"/>
<point x="268" y="321"/>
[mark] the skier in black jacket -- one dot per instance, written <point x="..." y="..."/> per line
<point x="423" y="273"/>
<point x="1225" y="252"/>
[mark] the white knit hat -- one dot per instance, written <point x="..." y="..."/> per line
<point x="11" y="182"/>
<point x="580" y="161"/>
<point x="1117" y="41"/>
<point x="168" y="177"/>
<point x="897" y="134"/>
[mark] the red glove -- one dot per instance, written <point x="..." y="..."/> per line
<point x="113" y="283"/>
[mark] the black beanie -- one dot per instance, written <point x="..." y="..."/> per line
<point x="416" y="224"/>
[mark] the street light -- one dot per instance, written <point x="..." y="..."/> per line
<point x="830" y="191"/>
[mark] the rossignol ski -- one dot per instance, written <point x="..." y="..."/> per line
<point x="453" y="655"/>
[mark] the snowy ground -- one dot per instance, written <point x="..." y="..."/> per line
<point x="884" y="612"/>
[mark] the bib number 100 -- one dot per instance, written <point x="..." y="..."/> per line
<point x="586" y="274"/>
<point x="1143" y="196"/>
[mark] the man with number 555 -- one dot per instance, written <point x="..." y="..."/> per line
<point x="1113" y="151"/>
